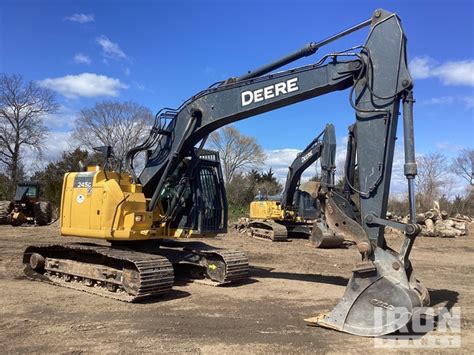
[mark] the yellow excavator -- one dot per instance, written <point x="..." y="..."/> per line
<point x="298" y="210"/>
<point x="180" y="192"/>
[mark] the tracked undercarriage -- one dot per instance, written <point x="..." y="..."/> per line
<point x="267" y="230"/>
<point x="201" y="262"/>
<point x="129" y="275"/>
<point x="270" y="230"/>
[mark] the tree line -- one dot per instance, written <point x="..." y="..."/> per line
<point x="23" y="109"/>
<point x="123" y="125"/>
<point x="435" y="182"/>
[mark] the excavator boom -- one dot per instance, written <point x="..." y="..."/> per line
<point x="182" y="180"/>
<point x="378" y="78"/>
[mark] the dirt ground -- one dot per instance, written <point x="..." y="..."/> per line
<point x="289" y="282"/>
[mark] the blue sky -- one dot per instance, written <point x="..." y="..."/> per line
<point x="159" y="53"/>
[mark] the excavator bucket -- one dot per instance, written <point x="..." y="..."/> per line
<point x="380" y="299"/>
<point x="322" y="237"/>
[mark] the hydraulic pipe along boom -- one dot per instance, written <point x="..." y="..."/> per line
<point x="307" y="50"/>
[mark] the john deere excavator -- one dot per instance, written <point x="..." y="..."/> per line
<point x="180" y="191"/>
<point x="297" y="210"/>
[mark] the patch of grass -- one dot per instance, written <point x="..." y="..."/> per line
<point x="235" y="212"/>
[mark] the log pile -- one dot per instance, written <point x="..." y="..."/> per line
<point x="242" y="225"/>
<point x="437" y="223"/>
<point x="5" y="208"/>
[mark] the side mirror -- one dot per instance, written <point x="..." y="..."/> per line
<point x="106" y="152"/>
<point x="81" y="165"/>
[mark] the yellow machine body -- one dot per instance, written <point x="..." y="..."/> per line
<point x="18" y="217"/>
<point x="106" y="205"/>
<point x="268" y="209"/>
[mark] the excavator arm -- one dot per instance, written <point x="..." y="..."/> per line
<point x="324" y="147"/>
<point x="378" y="78"/>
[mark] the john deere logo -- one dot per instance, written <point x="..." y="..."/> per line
<point x="269" y="92"/>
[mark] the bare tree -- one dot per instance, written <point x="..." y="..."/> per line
<point x="432" y="171"/>
<point x="237" y="152"/>
<point x="121" y="125"/>
<point x="22" y="108"/>
<point x="463" y="165"/>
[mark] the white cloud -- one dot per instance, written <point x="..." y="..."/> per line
<point x="85" y="85"/>
<point x="468" y="101"/>
<point x="80" y="18"/>
<point x="55" y="143"/>
<point x="81" y="58"/>
<point x="63" y="120"/>
<point x="399" y="186"/>
<point x="450" y="73"/>
<point x="280" y="159"/>
<point x="139" y="86"/>
<point x="420" y="67"/>
<point x="439" y="100"/>
<point x="448" y="146"/>
<point x="110" y="49"/>
<point x="142" y="87"/>
<point x="456" y="73"/>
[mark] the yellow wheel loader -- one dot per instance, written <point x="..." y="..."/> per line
<point x="180" y="191"/>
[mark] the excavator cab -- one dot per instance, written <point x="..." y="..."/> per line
<point x="203" y="205"/>
<point x="26" y="195"/>
<point x="26" y="207"/>
<point x="27" y="191"/>
<point x="307" y="206"/>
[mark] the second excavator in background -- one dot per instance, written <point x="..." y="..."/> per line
<point x="298" y="209"/>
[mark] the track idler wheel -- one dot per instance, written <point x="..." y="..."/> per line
<point x="215" y="269"/>
<point x="379" y="299"/>
<point x="37" y="262"/>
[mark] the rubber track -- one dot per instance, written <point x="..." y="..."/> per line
<point x="156" y="272"/>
